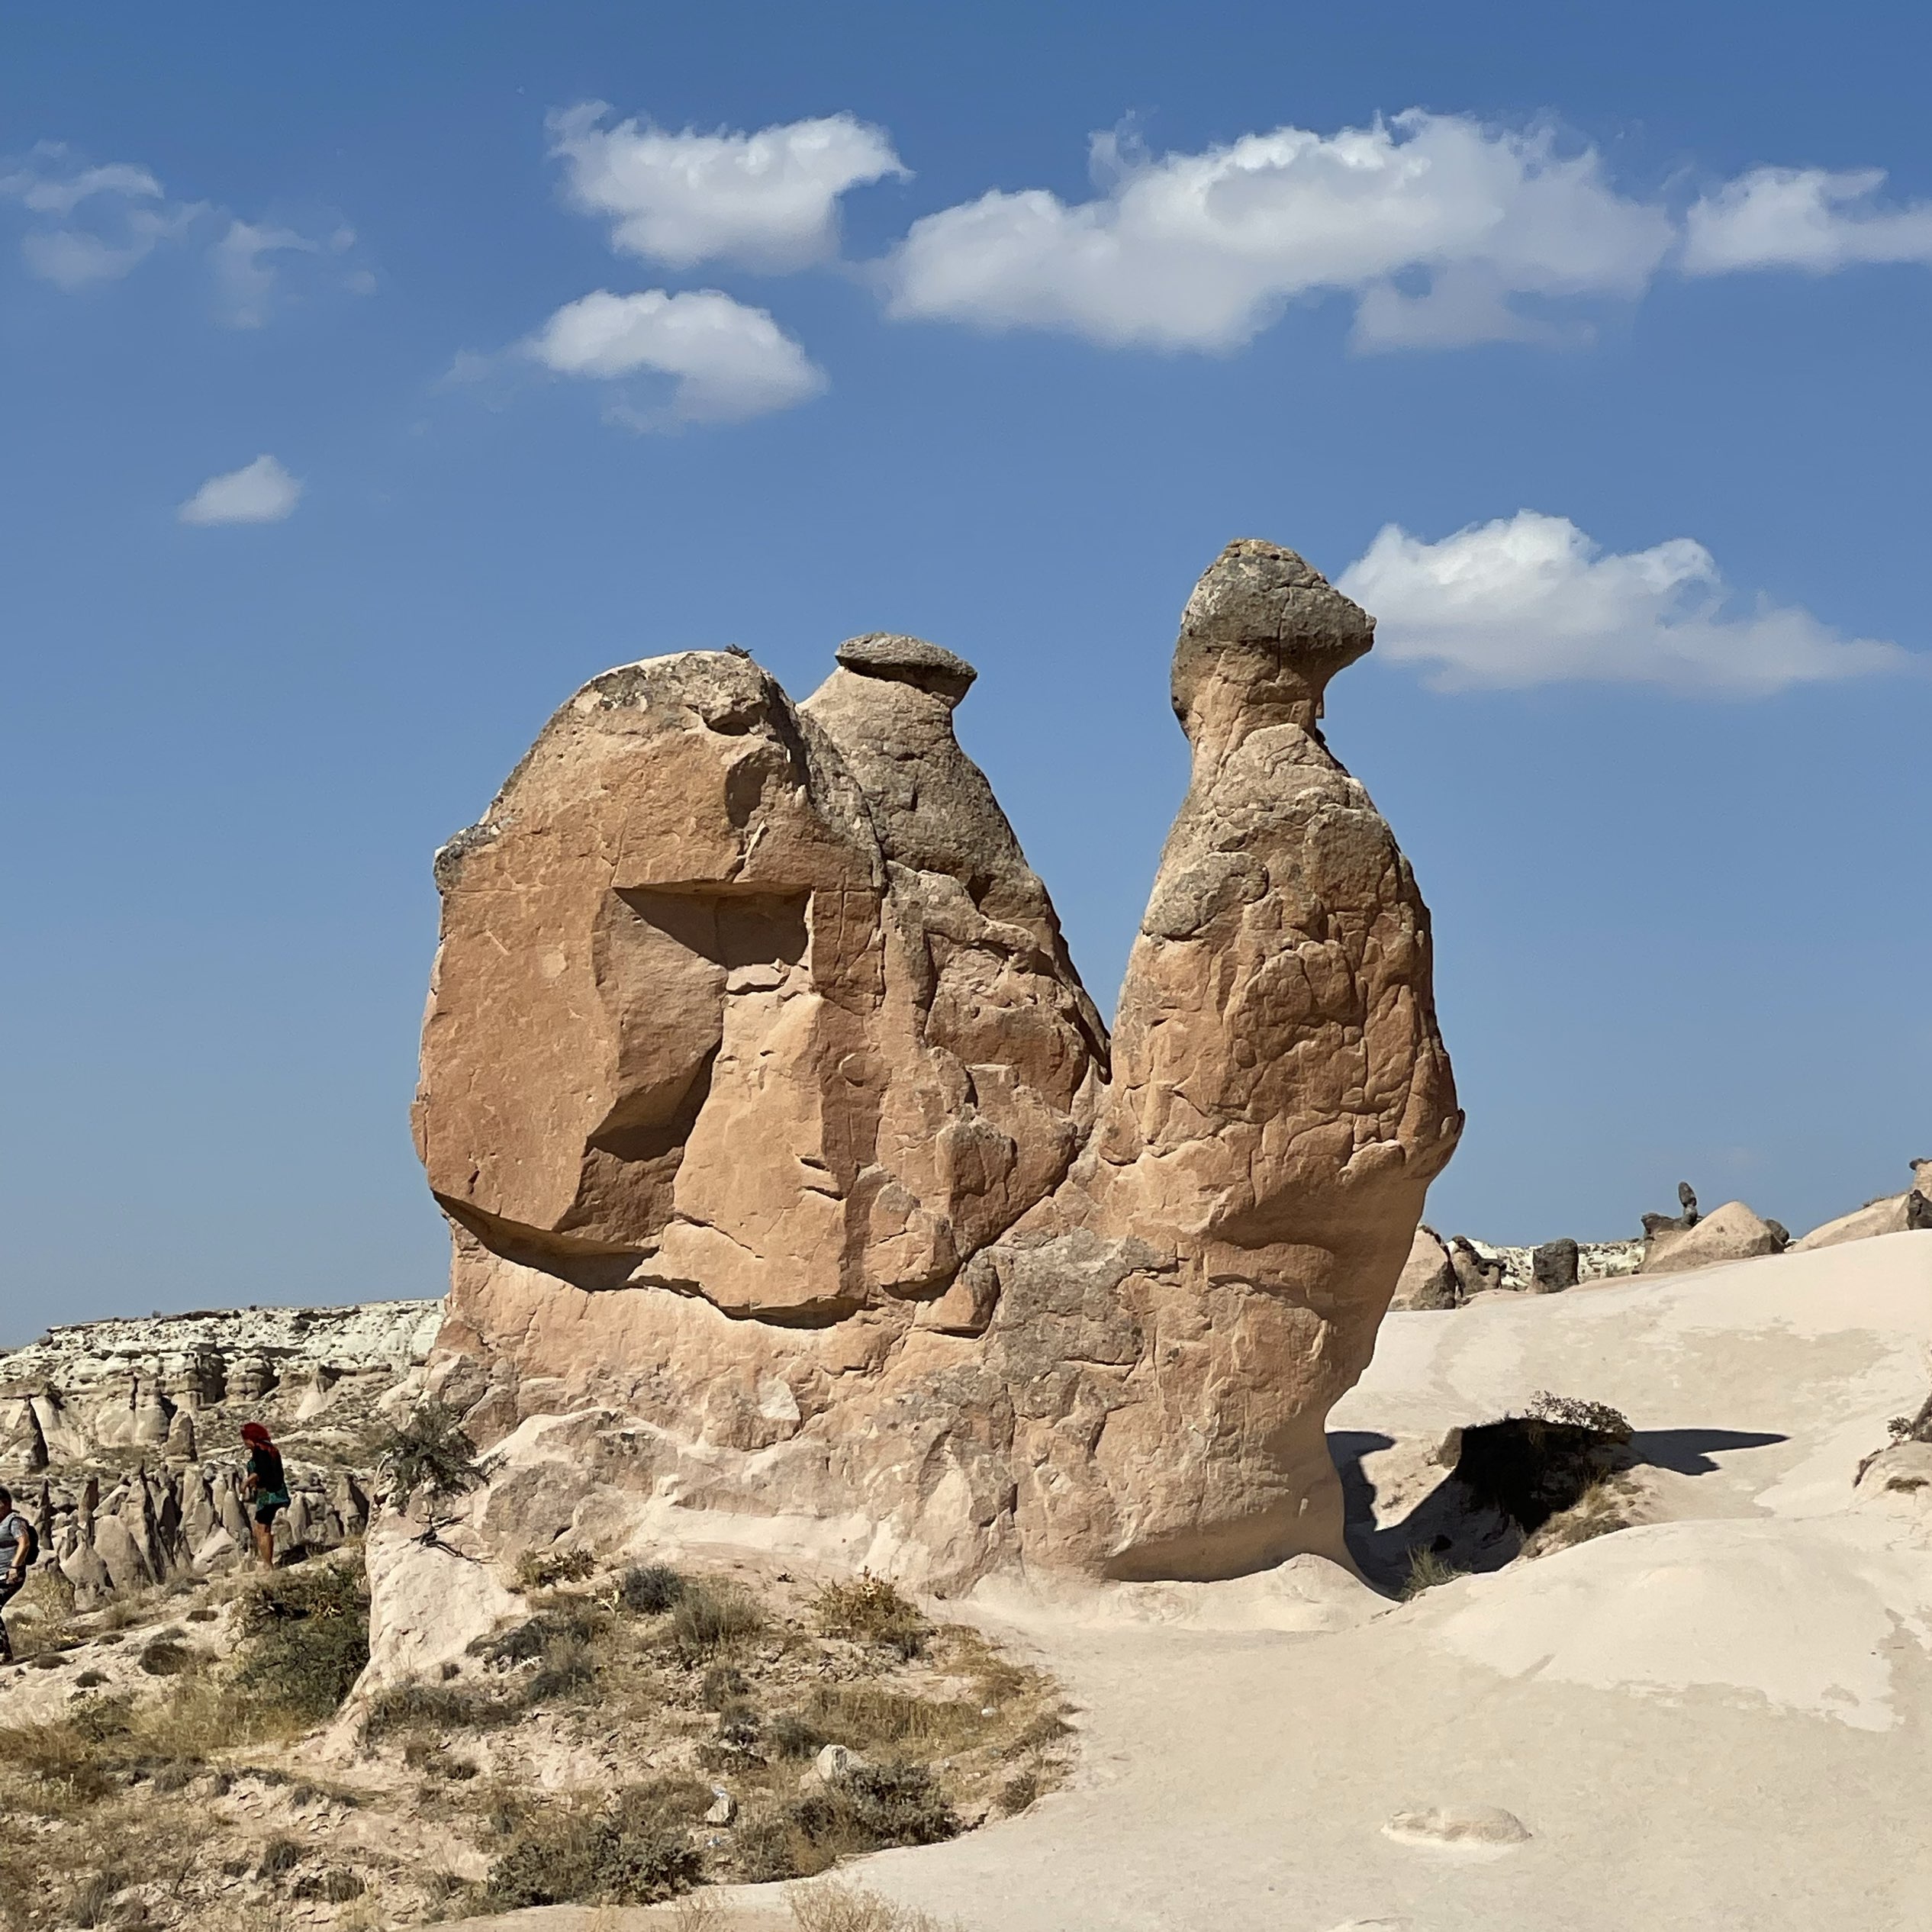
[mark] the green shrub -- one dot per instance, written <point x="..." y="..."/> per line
<point x="94" y="1720"/>
<point x="1019" y="1792"/>
<point x="1573" y="1413"/>
<point x="336" y="1886"/>
<point x="305" y="1638"/>
<point x="649" y="1590"/>
<point x="795" y="1737"/>
<point x="278" y="1855"/>
<point x="565" y="1620"/>
<point x="874" y="1806"/>
<point x="766" y="1848"/>
<point x="568" y="1667"/>
<point x="418" y="1706"/>
<point x="543" y="1570"/>
<point x="430" y="1455"/>
<point x="166" y="1657"/>
<point x="637" y="1852"/>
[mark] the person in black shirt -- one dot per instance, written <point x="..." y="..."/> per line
<point x="267" y="1489"/>
<point x="19" y="1545"/>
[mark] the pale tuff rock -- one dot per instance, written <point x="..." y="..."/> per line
<point x="709" y="1017"/>
<point x="772" y="1115"/>
<point x="1890" y="1215"/>
<point x="1730" y="1233"/>
<point x="103" y="1427"/>
<point x="1485" y="1829"/>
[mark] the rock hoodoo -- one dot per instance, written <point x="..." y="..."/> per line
<point x="770" y="1111"/>
<point x="121" y="1438"/>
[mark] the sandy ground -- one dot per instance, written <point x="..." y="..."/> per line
<point x="1722" y="1720"/>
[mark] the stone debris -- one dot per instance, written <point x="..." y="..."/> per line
<point x="1486" y="1828"/>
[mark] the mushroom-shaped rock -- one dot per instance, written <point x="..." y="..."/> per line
<point x="771" y="1111"/>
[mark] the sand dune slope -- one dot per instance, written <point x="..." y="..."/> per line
<point x="1722" y="1720"/>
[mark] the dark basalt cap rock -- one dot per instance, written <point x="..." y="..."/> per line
<point x="908" y="661"/>
<point x="1264" y="617"/>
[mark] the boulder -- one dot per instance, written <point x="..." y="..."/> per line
<point x="1730" y="1233"/>
<point x="429" y="1602"/>
<point x="769" y="1111"/>
<point x="1428" y="1280"/>
<point x="1554" y="1266"/>
<point x="1890" y="1215"/>
<point x="1475" y="1274"/>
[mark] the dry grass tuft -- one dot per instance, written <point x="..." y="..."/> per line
<point x="710" y="1616"/>
<point x="1426" y="1571"/>
<point x="544" y="1569"/>
<point x="869" y="1610"/>
<point x="830" y="1907"/>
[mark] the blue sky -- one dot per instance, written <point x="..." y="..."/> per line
<point x="1590" y="343"/>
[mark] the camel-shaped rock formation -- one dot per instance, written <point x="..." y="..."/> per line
<point x="770" y="1112"/>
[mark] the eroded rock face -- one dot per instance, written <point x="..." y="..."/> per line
<point x="697" y="1026"/>
<point x="771" y="1113"/>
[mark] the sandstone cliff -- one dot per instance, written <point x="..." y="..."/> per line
<point x="769" y="1112"/>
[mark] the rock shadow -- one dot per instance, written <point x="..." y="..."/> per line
<point x="1507" y="1478"/>
<point x="1689" y="1451"/>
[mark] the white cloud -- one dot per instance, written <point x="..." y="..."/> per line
<point x="1803" y="218"/>
<point x="93" y="224"/>
<point x="259" y="492"/>
<point x="768" y="200"/>
<point x="1531" y="599"/>
<point x="725" y="362"/>
<point x="125" y="217"/>
<point x="245" y="274"/>
<point x="1435" y="222"/>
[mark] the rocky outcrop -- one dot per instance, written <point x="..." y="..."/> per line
<point x="1428" y="1280"/>
<point x="1730" y="1233"/>
<point x="1891" y="1214"/>
<point x="710" y="1017"/>
<point x="121" y="1438"/>
<point x="770" y="1111"/>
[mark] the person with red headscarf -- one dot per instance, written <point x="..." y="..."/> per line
<point x="267" y="1489"/>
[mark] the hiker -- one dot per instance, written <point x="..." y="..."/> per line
<point x="20" y="1543"/>
<point x="267" y="1489"/>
